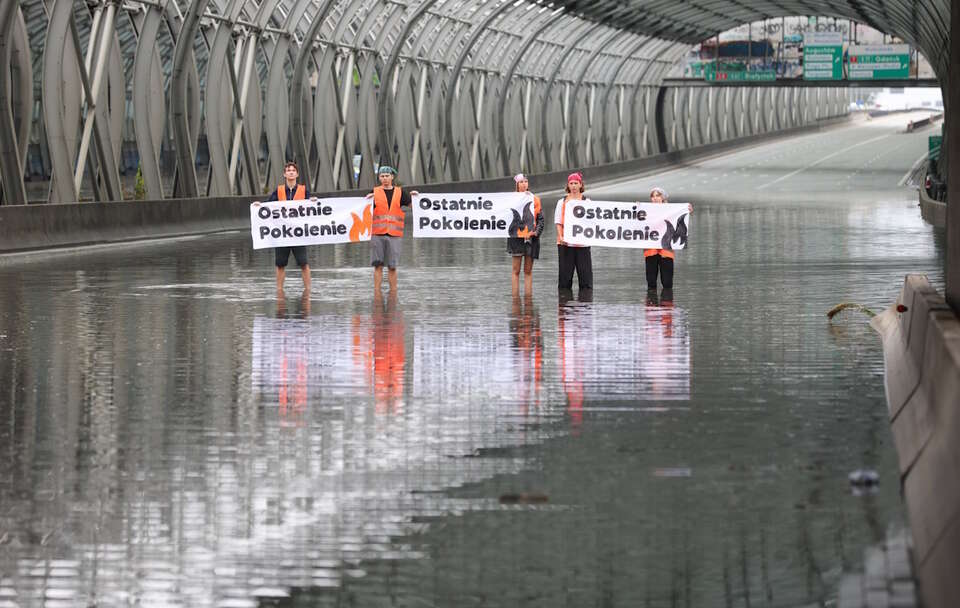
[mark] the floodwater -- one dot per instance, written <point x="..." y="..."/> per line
<point x="174" y="434"/>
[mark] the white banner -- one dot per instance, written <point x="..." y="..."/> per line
<point x="631" y="225"/>
<point x="473" y="216"/>
<point x="310" y="222"/>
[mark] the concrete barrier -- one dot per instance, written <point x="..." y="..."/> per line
<point x="32" y="227"/>
<point x="933" y="212"/>
<point x="921" y="346"/>
<point x="913" y="125"/>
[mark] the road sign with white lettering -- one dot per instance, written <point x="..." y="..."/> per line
<point x="822" y="56"/>
<point x="879" y="61"/>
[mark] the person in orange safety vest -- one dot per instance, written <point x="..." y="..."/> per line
<point x="660" y="260"/>
<point x="290" y="190"/>
<point x="388" y="216"/>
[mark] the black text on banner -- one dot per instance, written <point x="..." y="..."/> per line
<point x="310" y="222"/>
<point x="475" y="215"/>
<point x="629" y="225"/>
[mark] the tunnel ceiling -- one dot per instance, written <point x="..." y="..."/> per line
<point x="479" y="87"/>
<point x="923" y="23"/>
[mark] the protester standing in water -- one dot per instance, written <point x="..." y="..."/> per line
<point x="290" y="190"/>
<point x="572" y="257"/>
<point x="660" y="260"/>
<point x="388" y="217"/>
<point x="525" y="248"/>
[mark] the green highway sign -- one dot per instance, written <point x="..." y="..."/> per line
<point x="740" y="76"/>
<point x="934" y="142"/>
<point x="879" y="61"/>
<point x="823" y="56"/>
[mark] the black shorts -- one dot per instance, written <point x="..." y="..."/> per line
<point x="283" y="255"/>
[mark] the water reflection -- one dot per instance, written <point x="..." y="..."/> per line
<point x="625" y="357"/>
<point x="527" y="348"/>
<point x="172" y="434"/>
<point x="379" y="348"/>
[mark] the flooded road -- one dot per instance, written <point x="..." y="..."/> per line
<point x="173" y="434"/>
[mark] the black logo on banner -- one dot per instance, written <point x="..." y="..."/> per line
<point x="523" y="228"/>
<point x="674" y="235"/>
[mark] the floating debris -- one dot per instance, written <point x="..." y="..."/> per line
<point x="849" y="306"/>
<point x="523" y="499"/>
<point x="864" y="478"/>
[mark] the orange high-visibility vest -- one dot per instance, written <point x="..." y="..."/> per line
<point x="387" y="218"/>
<point x="299" y="195"/>
<point x="666" y="253"/>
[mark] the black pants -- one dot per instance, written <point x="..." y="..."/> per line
<point x="664" y="266"/>
<point x="575" y="258"/>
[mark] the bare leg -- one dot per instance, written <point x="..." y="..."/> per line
<point x="281" y="275"/>
<point x="305" y="272"/>
<point x="305" y="301"/>
<point x="392" y="277"/>
<point x="515" y="277"/>
<point x="528" y="275"/>
<point x="377" y="277"/>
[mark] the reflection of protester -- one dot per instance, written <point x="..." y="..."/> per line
<point x="292" y="394"/>
<point x="572" y="359"/>
<point x="528" y="342"/>
<point x="572" y="257"/>
<point x="381" y="351"/>
<point x="388" y="217"/>
<point x="660" y="260"/>
<point x="291" y="191"/>
<point x="525" y="248"/>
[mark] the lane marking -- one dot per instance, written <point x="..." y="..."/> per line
<point x="750" y="149"/>
<point x="817" y="162"/>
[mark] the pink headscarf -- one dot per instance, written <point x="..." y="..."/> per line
<point x="576" y="176"/>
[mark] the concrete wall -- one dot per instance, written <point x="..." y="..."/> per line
<point x="934" y="212"/>
<point x="952" y="144"/>
<point x="922" y="359"/>
<point x="31" y="227"/>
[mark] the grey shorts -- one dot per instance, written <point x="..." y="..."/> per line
<point x="385" y="250"/>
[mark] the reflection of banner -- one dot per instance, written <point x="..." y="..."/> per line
<point x="453" y="360"/>
<point x="633" y="225"/>
<point x="495" y="358"/>
<point x="623" y="353"/>
<point x="476" y="216"/>
<point x="292" y="358"/>
<point x="312" y="222"/>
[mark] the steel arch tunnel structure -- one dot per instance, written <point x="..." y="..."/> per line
<point x="445" y="90"/>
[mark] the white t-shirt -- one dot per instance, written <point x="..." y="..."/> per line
<point x="558" y="215"/>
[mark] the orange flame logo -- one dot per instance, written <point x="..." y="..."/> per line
<point x="361" y="226"/>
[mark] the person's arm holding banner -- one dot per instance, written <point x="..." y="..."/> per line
<point x="558" y="220"/>
<point x="540" y="223"/>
